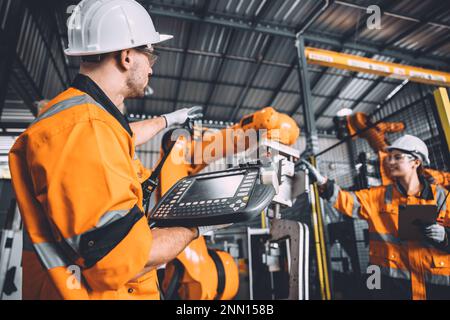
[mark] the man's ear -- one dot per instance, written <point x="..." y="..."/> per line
<point x="124" y="59"/>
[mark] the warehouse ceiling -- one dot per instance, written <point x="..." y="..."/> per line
<point x="232" y="57"/>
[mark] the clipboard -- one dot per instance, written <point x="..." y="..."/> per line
<point x="413" y="218"/>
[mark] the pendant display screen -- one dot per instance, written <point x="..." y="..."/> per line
<point x="207" y="188"/>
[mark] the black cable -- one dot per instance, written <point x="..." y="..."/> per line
<point x="149" y="185"/>
<point x="442" y="204"/>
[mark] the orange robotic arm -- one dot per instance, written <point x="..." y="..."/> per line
<point x="207" y="274"/>
<point x="376" y="136"/>
<point x="191" y="154"/>
<point x="267" y="123"/>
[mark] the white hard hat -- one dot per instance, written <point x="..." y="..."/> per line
<point x="101" y="26"/>
<point x="411" y="144"/>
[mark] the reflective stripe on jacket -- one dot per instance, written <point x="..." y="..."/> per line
<point x="423" y="263"/>
<point x="78" y="188"/>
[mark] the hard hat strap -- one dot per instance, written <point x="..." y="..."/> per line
<point x="95" y="58"/>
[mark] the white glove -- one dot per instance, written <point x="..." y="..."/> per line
<point x="314" y="174"/>
<point x="180" y="116"/>
<point x="435" y="232"/>
<point x="202" y="230"/>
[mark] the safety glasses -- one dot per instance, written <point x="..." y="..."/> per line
<point x="399" y="157"/>
<point x="150" y="53"/>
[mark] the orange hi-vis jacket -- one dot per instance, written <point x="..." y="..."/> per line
<point x="423" y="266"/>
<point x="78" y="186"/>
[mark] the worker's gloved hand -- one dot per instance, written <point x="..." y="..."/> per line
<point x="314" y="174"/>
<point x="202" y="230"/>
<point x="180" y="116"/>
<point x="435" y="232"/>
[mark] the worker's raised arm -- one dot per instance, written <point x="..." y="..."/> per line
<point x="146" y="129"/>
<point x="358" y="204"/>
<point x="354" y="204"/>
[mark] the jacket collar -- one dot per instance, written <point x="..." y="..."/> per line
<point x="87" y="85"/>
<point x="426" y="193"/>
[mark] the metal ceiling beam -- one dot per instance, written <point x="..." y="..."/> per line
<point x="299" y="105"/>
<point x="26" y="86"/>
<point x="283" y="31"/>
<point x="316" y="12"/>
<point x="251" y="78"/>
<point x="9" y="38"/>
<point x="227" y="56"/>
<point x="311" y="68"/>
<point x="60" y="44"/>
<point x="9" y="134"/>
<point x="218" y="70"/>
<point x="313" y="87"/>
<point x="415" y="26"/>
<point x="34" y="11"/>
<point x="394" y="14"/>
<point x="304" y="73"/>
<point x="267" y="6"/>
<point x="25" y="94"/>
<point x="336" y="92"/>
<point x="314" y="15"/>
<point x="445" y="40"/>
<point x="316" y="82"/>
<point x="188" y="102"/>
<point x="183" y="101"/>
<point x="252" y="60"/>
<point x="183" y="63"/>
<point x="344" y="99"/>
<point x="400" y="36"/>
<point x="202" y="12"/>
<point x="369" y="89"/>
<point x="14" y="125"/>
<point x="400" y="54"/>
<point x="281" y="83"/>
<point x="388" y="98"/>
<point x="231" y="84"/>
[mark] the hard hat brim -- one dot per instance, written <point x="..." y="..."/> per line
<point x="164" y="37"/>
<point x="425" y="160"/>
<point x="68" y="52"/>
<point x="389" y="148"/>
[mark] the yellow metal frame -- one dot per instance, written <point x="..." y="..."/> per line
<point x="320" y="243"/>
<point x="394" y="70"/>
<point x="443" y="108"/>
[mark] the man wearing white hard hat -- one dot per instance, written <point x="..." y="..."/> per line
<point x="76" y="174"/>
<point x="410" y="269"/>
